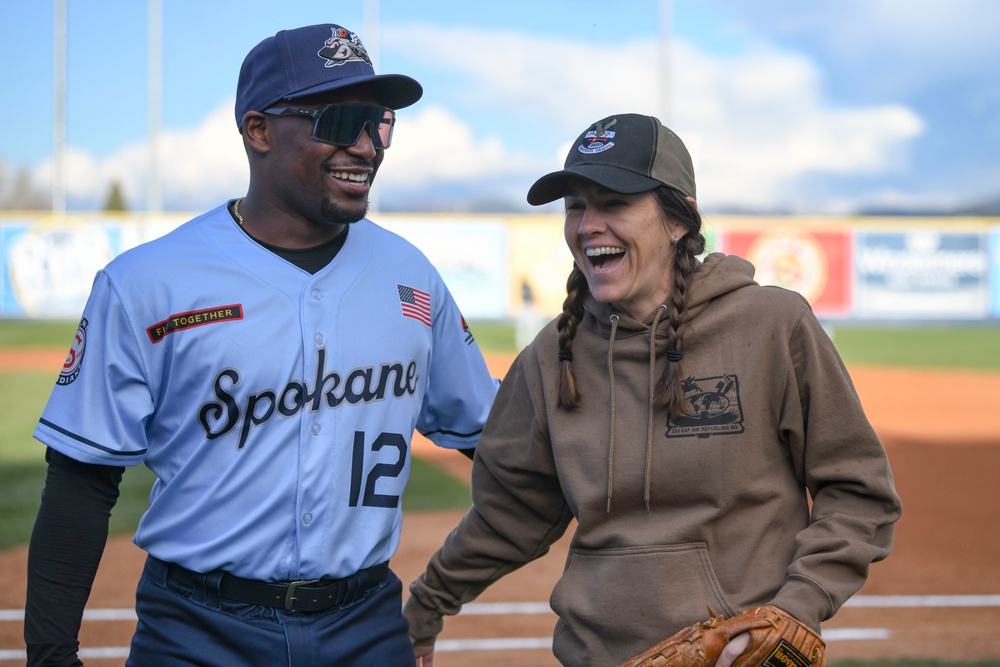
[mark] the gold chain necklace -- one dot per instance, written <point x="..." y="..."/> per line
<point x="236" y="211"/>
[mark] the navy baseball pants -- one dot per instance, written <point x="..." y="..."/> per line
<point x="185" y="626"/>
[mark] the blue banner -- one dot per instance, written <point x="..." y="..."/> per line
<point x="921" y="274"/>
<point x="995" y="271"/>
<point x="48" y="270"/>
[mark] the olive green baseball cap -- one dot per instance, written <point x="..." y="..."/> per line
<point x="627" y="153"/>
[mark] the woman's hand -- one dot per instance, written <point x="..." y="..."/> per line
<point x="733" y="650"/>
<point x="424" y="654"/>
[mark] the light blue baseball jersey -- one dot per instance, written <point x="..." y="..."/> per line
<point x="275" y="407"/>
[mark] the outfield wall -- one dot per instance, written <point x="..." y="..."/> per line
<point x="850" y="268"/>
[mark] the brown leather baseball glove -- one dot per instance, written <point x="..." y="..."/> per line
<point x="776" y="640"/>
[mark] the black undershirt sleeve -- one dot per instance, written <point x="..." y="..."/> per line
<point x="67" y="542"/>
<point x="470" y="452"/>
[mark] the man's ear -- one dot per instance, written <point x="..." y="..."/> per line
<point x="255" y="132"/>
<point x="693" y="202"/>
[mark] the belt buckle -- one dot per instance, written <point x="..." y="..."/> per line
<point x="290" y="593"/>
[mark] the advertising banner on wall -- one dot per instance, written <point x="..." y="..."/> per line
<point x="921" y="274"/>
<point x="497" y="266"/>
<point x="815" y="262"/>
<point x="712" y="241"/>
<point x="49" y="270"/>
<point x="539" y="264"/>
<point x="49" y="264"/>
<point x="470" y="254"/>
<point x="995" y="272"/>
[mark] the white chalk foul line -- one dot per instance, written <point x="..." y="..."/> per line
<point x="533" y="643"/>
<point x="886" y="601"/>
<point x="506" y="644"/>
<point x="506" y="608"/>
<point x="855" y="634"/>
<point x="88" y="615"/>
<point x="924" y="601"/>
<point x="85" y="653"/>
<point x="524" y="608"/>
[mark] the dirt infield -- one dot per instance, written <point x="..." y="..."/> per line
<point x="940" y="430"/>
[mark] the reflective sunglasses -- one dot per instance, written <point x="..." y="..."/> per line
<point x="342" y="124"/>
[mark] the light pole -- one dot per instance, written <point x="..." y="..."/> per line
<point x="59" y="62"/>
<point x="370" y="40"/>
<point x="154" y="203"/>
<point x="666" y="28"/>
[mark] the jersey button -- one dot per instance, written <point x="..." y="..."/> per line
<point x="317" y="294"/>
<point x="307" y="518"/>
<point x="319" y="339"/>
<point x="316" y="429"/>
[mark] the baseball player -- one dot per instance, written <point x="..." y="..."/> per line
<point x="269" y="361"/>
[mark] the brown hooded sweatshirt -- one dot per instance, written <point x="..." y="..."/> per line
<point x="706" y="509"/>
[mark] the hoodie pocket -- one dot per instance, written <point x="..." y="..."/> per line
<point x="616" y="602"/>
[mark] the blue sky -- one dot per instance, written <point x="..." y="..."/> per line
<point x="831" y="106"/>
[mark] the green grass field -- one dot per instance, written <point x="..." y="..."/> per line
<point x="960" y="347"/>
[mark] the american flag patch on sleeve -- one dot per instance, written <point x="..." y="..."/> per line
<point x="416" y="304"/>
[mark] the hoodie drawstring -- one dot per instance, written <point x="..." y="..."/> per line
<point x="652" y="387"/>
<point x="611" y="375"/>
<point x="649" y="426"/>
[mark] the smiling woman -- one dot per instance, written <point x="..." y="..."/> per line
<point x="731" y="446"/>
<point x="637" y="205"/>
<point x="609" y="233"/>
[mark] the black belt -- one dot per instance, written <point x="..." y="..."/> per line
<point x="310" y="595"/>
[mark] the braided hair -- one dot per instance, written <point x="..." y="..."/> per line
<point x="669" y="391"/>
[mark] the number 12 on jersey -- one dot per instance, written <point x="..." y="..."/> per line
<point x="371" y="498"/>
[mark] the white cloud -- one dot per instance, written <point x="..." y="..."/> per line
<point x="946" y="36"/>
<point x="900" y="44"/>
<point x="208" y="159"/>
<point x="553" y="83"/>
<point x="199" y="168"/>
<point x="435" y="145"/>
<point x="756" y="122"/>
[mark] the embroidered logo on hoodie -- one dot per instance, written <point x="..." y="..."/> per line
<point x="712" y="407"/>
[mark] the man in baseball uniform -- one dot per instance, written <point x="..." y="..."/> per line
<point x="269" y="361"/>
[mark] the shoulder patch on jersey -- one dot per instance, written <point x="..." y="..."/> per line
<point x="74" y="360"/>
<point x="194" y="318"/>
<point x="468" y="332"/>
<point x="415" y="303"/>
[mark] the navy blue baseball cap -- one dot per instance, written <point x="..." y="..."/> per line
<point x="315" y="59"/>
<point x="627" y="153"/>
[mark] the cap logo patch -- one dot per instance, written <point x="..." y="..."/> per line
<point x="599" y="139"/>
<point x="343" y="47"/>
